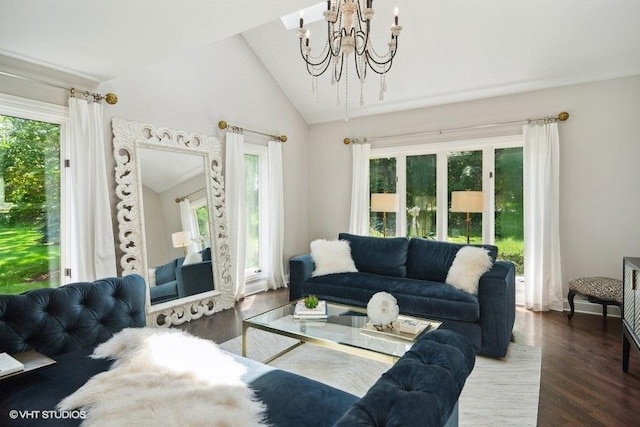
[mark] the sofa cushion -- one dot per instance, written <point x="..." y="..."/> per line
<point x="166" y="272"/>
<point x="415" y="297"/>
<point x="165" y="292"/>
<point x="431" y="260"/>
<point x="206" y="254"/>
<point x="379" y="255"/>
<point x="331" y="257"/>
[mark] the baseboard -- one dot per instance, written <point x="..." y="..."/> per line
<point x="582" y="306"/>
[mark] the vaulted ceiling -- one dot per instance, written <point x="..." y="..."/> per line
<point x="449" y="50"/>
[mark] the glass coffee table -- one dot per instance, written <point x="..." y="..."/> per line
<point x="344" y="330"/>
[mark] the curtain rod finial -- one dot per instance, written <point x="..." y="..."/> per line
<point x="222" y="124"/>
<point x="346" y="141"/>
<point x="283" y="138"/>
<point x="111" y="98"/>
<point x="563" y="116"/>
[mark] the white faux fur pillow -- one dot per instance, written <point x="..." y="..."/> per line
<point x="469" y="264"/>
<point x="332" y="256"/>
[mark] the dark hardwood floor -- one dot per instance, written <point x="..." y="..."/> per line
<point x="582" y="382"/>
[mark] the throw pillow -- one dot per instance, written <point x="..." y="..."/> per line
<point x="192" y="258"/>
<point x="332" y="256"/>
<point x="152" y="277"/>
<point x="469" y="264"/>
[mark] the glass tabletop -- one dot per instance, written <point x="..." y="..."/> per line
<point x="342" y="328"/>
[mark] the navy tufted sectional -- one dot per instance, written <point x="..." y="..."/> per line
<point x="66" y="323"/>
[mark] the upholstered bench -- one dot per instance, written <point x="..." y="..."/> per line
<point x="600" y="290"/>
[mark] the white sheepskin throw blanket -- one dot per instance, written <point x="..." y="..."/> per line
<point x="469" y="264"/>
<point x="166" y="377"/>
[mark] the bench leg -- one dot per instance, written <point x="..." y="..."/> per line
<point x="570" y="298"/>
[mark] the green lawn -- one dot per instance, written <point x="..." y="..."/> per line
<point x="24" y="261"/>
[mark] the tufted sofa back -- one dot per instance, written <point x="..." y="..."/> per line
<point x="421" y="389"/>
<point x="54" y="321"/>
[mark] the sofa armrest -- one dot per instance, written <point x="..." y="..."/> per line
<point x="300" y="270"/>
<point x="194" y="278"/>
<point x="497" y="299"/>
<point x="421" y="389"/>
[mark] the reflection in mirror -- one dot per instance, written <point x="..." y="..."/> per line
<point x="171" y="220"/>
<point x="176" y="224"/>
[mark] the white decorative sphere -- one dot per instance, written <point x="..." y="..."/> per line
<point x="382" y="309"/>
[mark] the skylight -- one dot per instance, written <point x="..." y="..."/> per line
<point x="311" y="14"/>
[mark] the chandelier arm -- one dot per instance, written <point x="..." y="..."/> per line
<point x="370" y="59"/>
<point x="385" y="65"/>
<point x="331" y="36"/>
<point x="338" y="75"/>
<point x="312" y="63"/>
<point x="325" y="66"/>
<point x="365" y="38"/>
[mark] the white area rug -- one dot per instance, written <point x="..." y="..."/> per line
<point x="499" y="392"/>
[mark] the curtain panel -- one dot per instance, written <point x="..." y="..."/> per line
<point x="275" y="239"/>
<point x="234" y="181"/>
<point x="542" y="268"/>
<point x="92" y="242"/>
<point x="359" y="219"/>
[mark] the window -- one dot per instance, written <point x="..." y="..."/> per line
<point x="200" y="220"/>
<point x="255" y="162"/>
<point x="423" y="177"/>
<point x="32" y="202"/>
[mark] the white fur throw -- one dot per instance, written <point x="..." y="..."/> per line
<point x="469" y="264"/>
<point x="166" y="377"/>
<point x="332" y="256"/>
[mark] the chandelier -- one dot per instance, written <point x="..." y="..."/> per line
<point x="348" y="32"/>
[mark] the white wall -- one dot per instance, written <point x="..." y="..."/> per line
<point x="156" y="233"/>
<point x="600" y="148"/>
<point x="224" y="81"/>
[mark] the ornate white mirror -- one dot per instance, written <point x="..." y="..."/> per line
<point x="171" y="220"/>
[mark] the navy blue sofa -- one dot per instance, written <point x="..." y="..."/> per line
<point x="66" y="323"/>
<point x="175" y="280"/>
<point x="414" y="272"/>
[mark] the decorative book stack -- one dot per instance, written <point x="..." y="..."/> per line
<point x="404" y="327"/>
<point x="302" y="312"/>
<point x="9" y="365"/>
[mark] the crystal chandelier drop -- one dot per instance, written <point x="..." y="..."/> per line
<point x="348" y="32"/>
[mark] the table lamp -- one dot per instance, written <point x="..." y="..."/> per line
<point x="469" y="202"/>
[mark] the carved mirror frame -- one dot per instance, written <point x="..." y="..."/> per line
<point x="129" y="136"/>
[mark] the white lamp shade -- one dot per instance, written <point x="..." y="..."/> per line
<point x="384" y="202"/>
<point x="181" y="239"/>
<point x="467" y="201"/>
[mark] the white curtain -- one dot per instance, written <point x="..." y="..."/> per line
<point x="275" y="209"/>
<point x="542" y="269"/>
<point x="235" y="206"/>
<point x="359" y="220"/>
<point x="189" y="225"/>
<point x="92" y="244"/>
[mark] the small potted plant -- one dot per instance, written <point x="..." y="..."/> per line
<point x="311" y="301"/>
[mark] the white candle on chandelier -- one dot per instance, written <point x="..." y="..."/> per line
<point x="301" y="18"/>
<point x="396" y="11"/>
<point x="307" y="36"/>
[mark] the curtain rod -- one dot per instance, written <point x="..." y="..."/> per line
<point x="111" y="98"/>
<point x="179" y="199"/>
<point x="224" y="125"/>
<point x="562" y="116"/>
